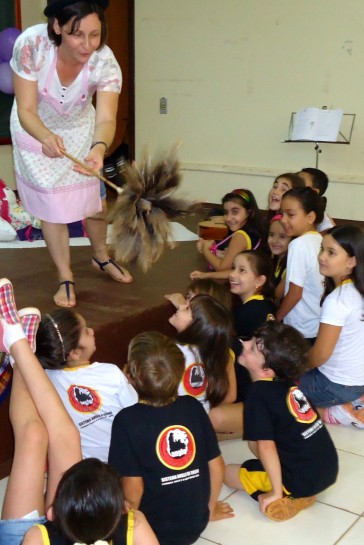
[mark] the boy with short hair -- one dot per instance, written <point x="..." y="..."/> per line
<point x="296" y="458"/>
<point x="318" y="180"/>
<point x="165" y="448"/>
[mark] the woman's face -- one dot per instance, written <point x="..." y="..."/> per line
<point x="182" y="318"/>
<point x="277" y="239"/>
<point x="78" y="47"/>
<point x="280" y="186"/>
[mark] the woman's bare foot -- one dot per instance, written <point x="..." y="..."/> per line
<point x="65" y="296"/>
<point x="113" y="269"/>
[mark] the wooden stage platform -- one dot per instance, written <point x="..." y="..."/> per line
<point x="116" y="311"/>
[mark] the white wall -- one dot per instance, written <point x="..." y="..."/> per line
<point x="233" y="71"/>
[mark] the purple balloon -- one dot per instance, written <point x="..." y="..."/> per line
<point x="7" y="40"/>
<point x="6" y="79"/>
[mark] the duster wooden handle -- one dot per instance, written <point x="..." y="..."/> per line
<point x="92" y="171"/>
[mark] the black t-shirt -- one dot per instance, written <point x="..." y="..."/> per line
<point x="169" y="447"/>
<point x="276" y="411"/>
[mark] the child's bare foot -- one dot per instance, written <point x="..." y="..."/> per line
<point x="65" y="296"/>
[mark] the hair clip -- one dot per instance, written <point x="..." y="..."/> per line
<point x="277" y="217"/>
<point x="59" y="336"/>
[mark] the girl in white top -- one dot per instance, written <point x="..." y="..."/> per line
<point x="337" y="381"/>
<point x="204" y="329"/>
<point x="302" y="209"/>
<point x="92" y="393"/>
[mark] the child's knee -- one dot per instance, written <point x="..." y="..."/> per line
<point x="32" y="435"/>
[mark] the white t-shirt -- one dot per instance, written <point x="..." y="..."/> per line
<point x="325" y="224"/>
<point x="344" y="307"/>
<point x="303" y="270"/>
<point x="194" y="380"/>
<point x="93" y="395"/>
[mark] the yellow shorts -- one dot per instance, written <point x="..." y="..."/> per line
<point x="255" y="479"/>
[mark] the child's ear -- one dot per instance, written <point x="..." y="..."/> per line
<point x="268" y="372"/>
<point x="74" y="355"/>
<point x="260" y="281"/>
<point x="311" y="217"/>
<point x="352" y="262"/>
<point x="50" y="513"/>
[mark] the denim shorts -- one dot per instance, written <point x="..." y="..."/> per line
<point x="324" y="393"/>
<point x="102" y="190"/>
<point x="12" y="531"/>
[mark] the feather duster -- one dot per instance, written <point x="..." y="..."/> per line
<point x="141" y="229"/>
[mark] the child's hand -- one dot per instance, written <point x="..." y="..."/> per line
<point x="176" y="299"/>
<point x="267" y="498"/>
<point x="197" y="274"/>
<point x="222" y="511"/>
<point x="199" y="245"/>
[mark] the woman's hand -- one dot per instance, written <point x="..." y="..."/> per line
<point x="52" y="146"/>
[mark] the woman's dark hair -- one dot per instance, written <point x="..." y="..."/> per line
<point x="211" y="333"/>
<point x="207" y="286"/>
<point x="58" y="334"/>
<point x="284" y="348"/>
<point x="309" y="200"/>
<point x="320" y="180"/>
<point x="76" y="12"/>
<point x="256" y="220"/>
<point x="89" y="502"/>
<point x="155" y="367"/>
<point x="261" y="264"/>
<point x="351" y="239"/>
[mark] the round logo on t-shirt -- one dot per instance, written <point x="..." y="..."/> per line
<point x="83" y="398"/>
<point x="194" y="380"/>
<point x="176" y="447"/>
<point x="300" y="407"/>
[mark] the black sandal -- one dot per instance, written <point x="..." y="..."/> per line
<point x="67" y="284"/>
<point x="102" y="265"/>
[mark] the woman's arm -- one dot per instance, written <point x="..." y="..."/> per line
<point x="268" y="455"/>
<point x="327" y="337"/>
<point x="105" y="125"/>
<point x="26" y="93"/>
<point x="143" y="534"/>
<point x="238" y="243"/>
<point x="290" y="300"/>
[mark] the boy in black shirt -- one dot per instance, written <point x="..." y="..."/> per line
<point x="296" y="457"/>
<point x="165" y="448"/>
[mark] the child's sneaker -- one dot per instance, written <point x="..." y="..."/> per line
<point x="347" y="414"/>
<point x="30" y="320"/>
<point x="10" y="326"/>
<point x="288" y="507"/>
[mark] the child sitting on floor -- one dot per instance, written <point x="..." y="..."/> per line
<point x="165" y="448"/>
<point x="93" y="393"/>
<point x="295" y="456"/>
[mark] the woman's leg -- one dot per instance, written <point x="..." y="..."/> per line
<point x="25" y="489"/>
<point x="57" y="239"/>
<point x="96" y="228"/>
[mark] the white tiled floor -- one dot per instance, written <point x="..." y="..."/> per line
<point x="337" y="518"/>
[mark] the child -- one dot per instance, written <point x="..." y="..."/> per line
<point x="247" y="230"/>
<point x="283" y="182"/>
<point x="318" y="180"/>
<point x="302" y="209"/>
<point x="206" y="286"/>
<point x="164" y="447"/>
<point x="204" y="336"/>
<point x="93" y="393"/>
<point x="251" y="280"/>
<point x="336" y="384"/>
<point x="296" y="458"/>
<point x="278" y="244"/>
<point x="88" y="510"/>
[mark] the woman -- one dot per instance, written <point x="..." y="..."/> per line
<point x="57" y="69"/>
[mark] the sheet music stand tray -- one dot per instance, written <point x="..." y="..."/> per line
<point x="344" y="135"/>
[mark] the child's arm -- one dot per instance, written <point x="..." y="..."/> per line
<point x="176" y="299"/>
<point x="143" y="534"/>
<point x="327" y="337"/>
<point x="238" y="243"/>
<point x="133" y="489"/>
<point x="216" y="275"/>
<point x="218" y="509"/>
<point x="231" y="394"/>
<point x="290" y="300"/>
<point x="268" y="455"/>
<point x="279" y="291"/>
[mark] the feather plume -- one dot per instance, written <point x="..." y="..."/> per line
<point x="140" y="217"/>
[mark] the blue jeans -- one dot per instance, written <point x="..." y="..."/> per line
<point x="12" y="531"/>
<point x="324" y="393"/>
